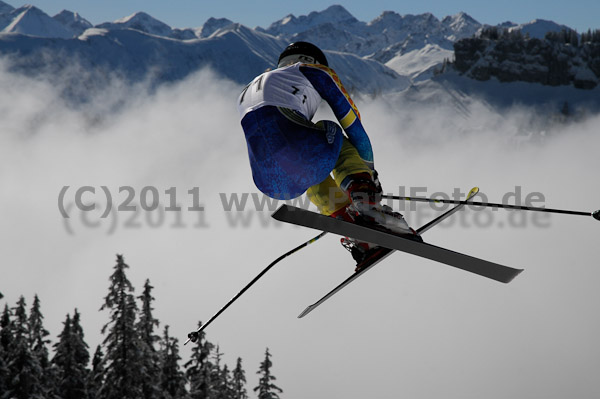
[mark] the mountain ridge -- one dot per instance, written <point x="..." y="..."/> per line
<point x="386" y="55"/>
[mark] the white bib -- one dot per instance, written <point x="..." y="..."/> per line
<point x="283" y="87"/>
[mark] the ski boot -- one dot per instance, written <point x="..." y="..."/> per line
<point x="359" y="250"/>
<point x="365" y="196"/>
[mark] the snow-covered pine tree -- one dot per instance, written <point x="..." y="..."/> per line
<point x="96" y="376"/>
<point x="238" y="381"/>
<point x="37" y="333"/>
<point x="217" y="381"/>
<point x="122" y="373"/>
<point x="71" y="374"/>
<point x="63" y="363"/>
<point x="70" y="360"/>
<point x="220" y="377"/>
<point x="82" y="353"/>
<point x="266" y="388"/>
<point x="150" y="371"/>
<point x="227" y="391"/>
<point x="38" y="344"/>
<point x="172" y="379"/>
<point x="25" y="372"/>
<point x="198" y="368"/>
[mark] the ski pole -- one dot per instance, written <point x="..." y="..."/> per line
<point x="193" y="336"/>
<point x="595" y="215"/>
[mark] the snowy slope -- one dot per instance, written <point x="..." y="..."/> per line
<point x="419" y="64"/>
<point x="364" y="75"/>
<point x="236" y="53"/>
<point x="356" y="73"/>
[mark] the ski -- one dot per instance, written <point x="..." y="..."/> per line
<point x="301" y="217"/>
<point x="383" y="253"/>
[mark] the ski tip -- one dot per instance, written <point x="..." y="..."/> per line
<point x="473" y="192"/>
<point x="596" y="215"/>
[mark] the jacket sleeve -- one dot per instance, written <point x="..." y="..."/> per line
<point x="329" y="87"/>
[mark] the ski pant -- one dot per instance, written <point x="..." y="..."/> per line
<point x="329" y="196"/>
<point x="290" y="155"/>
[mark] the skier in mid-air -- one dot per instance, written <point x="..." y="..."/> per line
<point x="290" y="155"/>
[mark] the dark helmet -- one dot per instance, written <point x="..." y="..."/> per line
<point x="302" y="52"/>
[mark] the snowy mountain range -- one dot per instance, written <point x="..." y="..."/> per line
<point x="387" y="54"/>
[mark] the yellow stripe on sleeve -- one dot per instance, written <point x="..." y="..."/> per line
<point x="348" y="119"/>
<point x="339" y="84"/>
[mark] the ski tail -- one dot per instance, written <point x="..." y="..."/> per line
<point x="381" y="255"/>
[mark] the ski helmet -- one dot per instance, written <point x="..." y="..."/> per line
<point x="302" y="52"/>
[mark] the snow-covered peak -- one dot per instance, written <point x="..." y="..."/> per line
<point x="539" y="27"/>
<point x="332" y="14"/>
<point x="290" y="24"/>
<point x="212" y="25"/>
<point x="142" y="22"/>
<point x="73" y="21"/>
<point x="459" y="20"/>
<point x="387" y="19"/>
<point x="398" y="25"/>
<point x="30" y="20"/>
<point x="461" y="25"/>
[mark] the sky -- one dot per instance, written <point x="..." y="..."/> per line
<point x="578" y="14"/>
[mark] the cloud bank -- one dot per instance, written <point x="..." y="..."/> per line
<point x="411" y="321"/>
